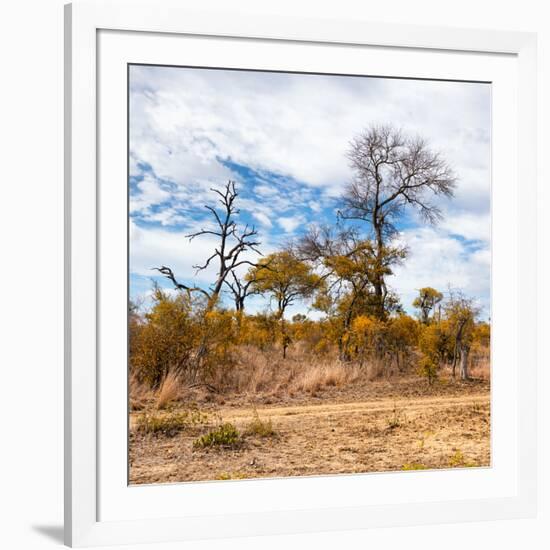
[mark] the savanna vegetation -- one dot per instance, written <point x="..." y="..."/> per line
<point x="198" y="358"/>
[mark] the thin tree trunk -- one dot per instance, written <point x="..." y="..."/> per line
<point x="464" y="354"/>
<point x="455" y="358"/>
<point x="378" y="280"/>
<point x="459" y="347"/>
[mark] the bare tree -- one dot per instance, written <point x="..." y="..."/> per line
<point x="232" y="243"/>
<point x="393" y="172"/>
<point x="240" y="290"/>
<point x="169" y="274"/>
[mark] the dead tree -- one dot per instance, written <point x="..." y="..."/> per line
<point x="240" y="290"/>
<point x="228" y="253"/>
<point x="393" y="172"/>
<point x="169" y="274"/>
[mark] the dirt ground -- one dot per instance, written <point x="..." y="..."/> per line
<point x="379" y="426"/>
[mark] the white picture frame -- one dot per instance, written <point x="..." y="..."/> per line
<point x="85" y="523"/>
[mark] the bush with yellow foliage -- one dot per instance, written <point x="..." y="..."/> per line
<point x="166" y="339"/>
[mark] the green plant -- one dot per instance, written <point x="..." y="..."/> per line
<point x="169" y="423"/>
<point x="428" y="368"/>
<point x="432" y="344"/>
<point x="262" y="428"/>
<point x="225" y="435"/>
<point x="414" y="466"/>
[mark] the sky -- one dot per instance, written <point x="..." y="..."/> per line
<point x="283" y="139"/>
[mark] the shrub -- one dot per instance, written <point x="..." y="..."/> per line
<point x="402" y="336"/>
<point x="169" y="423"/>
<point x="218" y="339"/>
<point x="226" y="435"/>
<point x="165" y="341"/>
<point x="259" y="330"/>
<point x="262" y="428"/>
<point x="432" y="344"/>
<point x="428" y="368"/>
<point x="179" y="338"/>
<point x="367" y="338"/>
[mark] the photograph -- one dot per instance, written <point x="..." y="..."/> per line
<point x="309" y="274"/>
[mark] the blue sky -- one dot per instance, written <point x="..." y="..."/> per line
<point x="283" y="138"/>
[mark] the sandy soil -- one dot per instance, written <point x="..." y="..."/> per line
<point x="440" y="429"/>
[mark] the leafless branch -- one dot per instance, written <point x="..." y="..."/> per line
<point x="169" y="274"/>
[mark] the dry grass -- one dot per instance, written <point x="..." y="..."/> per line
<point x="481" y="369"/>
<point x="265" y="377"/>
<point x="169" y="391"/>
<point x="269" y="373"/>
<point x="315" y="377"/>
<point x="140" y="394"/>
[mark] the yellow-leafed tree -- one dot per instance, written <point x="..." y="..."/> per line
<point x="285" y="279"/>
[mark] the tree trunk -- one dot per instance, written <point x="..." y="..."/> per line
<point x="455" y="359"/>
<point x="459" y="347"/>
<point x="285" y="339"/>
<point x="464" y="354"/>
<point x="378" y="279"/>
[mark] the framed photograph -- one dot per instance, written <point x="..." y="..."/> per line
<point x="300" y="283"/>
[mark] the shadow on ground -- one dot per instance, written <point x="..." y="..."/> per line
<point x="53" y="532"/>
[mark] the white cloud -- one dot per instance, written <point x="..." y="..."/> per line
<point x="438" y="260"/>
<point x="263" y="218"/>
<point x="265" y="190"/>
<point x="469" y="225"/>
<point x="150" y="193"/>
<point x="154" y="247"/>
<point x="289" y="224"/>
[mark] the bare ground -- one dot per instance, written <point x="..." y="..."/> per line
<point x="378" y="427"/>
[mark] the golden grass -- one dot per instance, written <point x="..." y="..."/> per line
<point x="269" y="373"/>
<point x="169" y="391"/>
<point x="140" y="394"/>
<point x="315" y="377"/>
<point x="481" y="369"/>
<point x="266" y="374"/>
